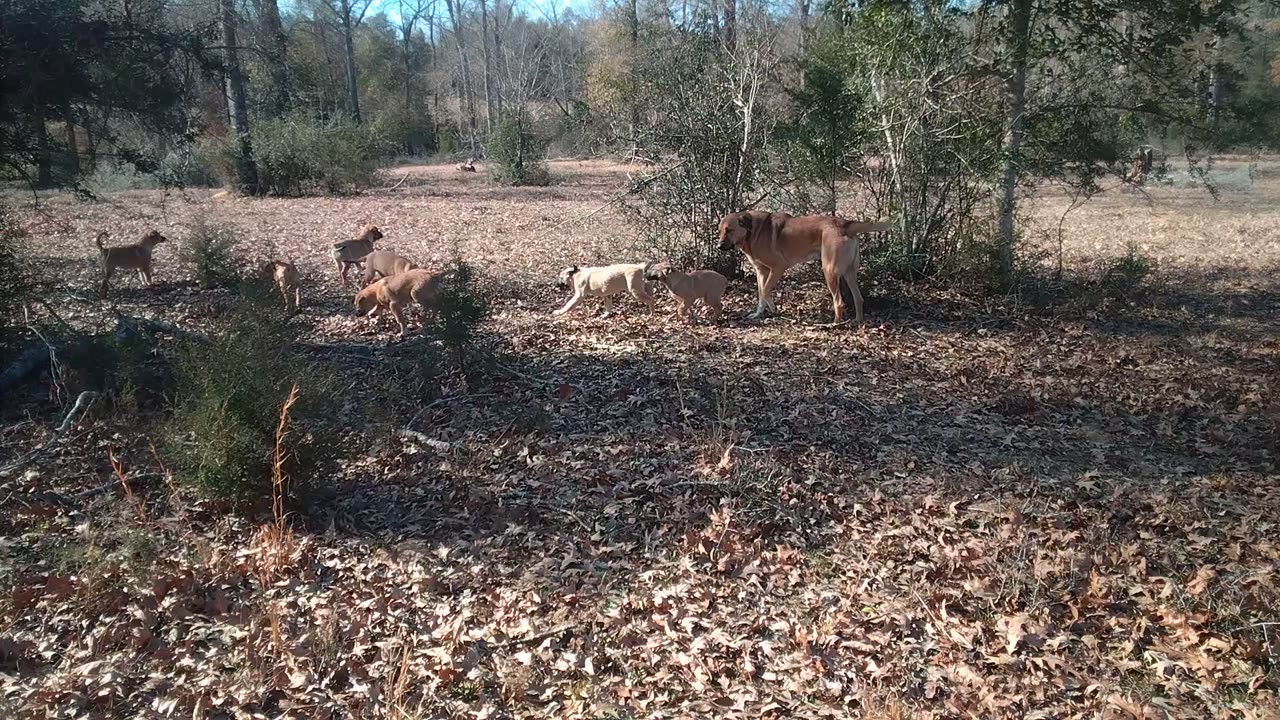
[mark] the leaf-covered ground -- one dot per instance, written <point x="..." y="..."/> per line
<point x="969" y="508"/>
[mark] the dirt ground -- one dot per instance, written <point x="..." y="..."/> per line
<point x="972" y="507"/>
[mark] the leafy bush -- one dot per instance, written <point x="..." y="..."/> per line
<point x="16" y="282"/>
<point x="208" y="254"/>
<point x="229" y="394"/>
<point x="1124" y="276"/>
<point x="296" y="156"/>
<point x="516" y="155"/>
<point x="460" y="309"/>
<point x="410" y="133"/>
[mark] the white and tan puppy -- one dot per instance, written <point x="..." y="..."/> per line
<point x="605" y="282"/>
<point x="688" y="288"/>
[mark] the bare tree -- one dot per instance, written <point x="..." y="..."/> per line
<point x="489" y="95"/>
<point x="411" y="12"/>
<point x="465" y="93"/>
<point x="349" y="14"/>
<point x="268" y="12"/>
<point x="1015" y="87"/>
<point x="246" y="170"/>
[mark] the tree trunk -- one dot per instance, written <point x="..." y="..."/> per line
<point x="730" y="25"/>
<point x="497" y="56"/>
<point x="353" y="90"/>
<point x="633" y="26"/>
<point x="279" y="61"/>
<point x="1216" y="84"/>
<point x="455" y="17"/>
<point x="1016" y="103"/>
<point x="804" y="38"/>
<point x="44" y="151"/>
<point x="73" y="146"/>
<point x="246" y="170"/>
<point x="488" y="69"/>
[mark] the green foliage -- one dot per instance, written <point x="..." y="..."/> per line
<point x="515" y="154"/>
<point x="229" y="394"/>
<point x="1123" y="277"/>
<point x="460" y="309"/>
<point x="410" y="133"/>
<point x="297" y="156"/>
<point x="16" y="281"/>
<point x="208" y="253"/>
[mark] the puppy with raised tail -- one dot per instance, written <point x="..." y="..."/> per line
<point x="384" y="263"/>
<point x="688" y="288"/>
<point x="285" y="276"/>
<point x="130" y="257"/>
<point x="393" y="293"/>
<point x="605" y="282"/>
<point x="351" y="253"/>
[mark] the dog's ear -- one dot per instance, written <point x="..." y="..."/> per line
<point x="744" y="219"/>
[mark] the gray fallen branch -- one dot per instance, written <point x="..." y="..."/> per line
<point x="81" y="406"/>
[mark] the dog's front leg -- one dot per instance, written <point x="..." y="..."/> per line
<point x="573" y="302"/>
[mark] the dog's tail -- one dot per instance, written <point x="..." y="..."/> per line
<point x="98" y="240"/>
<point x="854" y="227"/>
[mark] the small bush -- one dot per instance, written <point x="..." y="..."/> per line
<point x="517" y="156"/>
<point x="189" y="166"/>
<point x="460" y="310"/>
<point x="1123" y="277"/>
<point x="208" y="254"/>
<point x="229" y="393"/>
<point x="16" y="282"/>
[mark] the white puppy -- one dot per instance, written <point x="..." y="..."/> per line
<point x="605" y="282"/>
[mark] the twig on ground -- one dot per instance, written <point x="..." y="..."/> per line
<point x="82" y="404"/>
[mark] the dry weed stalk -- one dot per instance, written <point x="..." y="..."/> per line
<point x="275" y="542"/>
<point x="118" y="468"/>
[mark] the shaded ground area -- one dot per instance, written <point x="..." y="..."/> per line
<point x="970" y="508"/>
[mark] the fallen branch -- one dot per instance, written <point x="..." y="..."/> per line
<point x="403" y="177"/>
<point x="82" y="405"/>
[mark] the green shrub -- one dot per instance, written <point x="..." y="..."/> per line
<point x="460" y="310"/>
<point x="1124" y="276"/>
<point x="401" y="131"/>
<point x="16" y="281"/>
<point x="229" y="393"/>
<point x="208" y="254"/>
<point x="515" y="154"/>
<point x="188" y="166"/>
<point x="298" y="156"/>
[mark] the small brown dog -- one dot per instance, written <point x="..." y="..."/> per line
<point x="468" y="166"/>
<point x="287" y="279"/>
<point x="351" y="253"/>
<point x="393" y="293"/>
<point x="705" y="286"/>
<point x="130" y="257"/>
<point x="384" y="263"/>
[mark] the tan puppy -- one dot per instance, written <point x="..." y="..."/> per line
<point x="287" y="279"/>
<point x="468" y="166"/>
<point x="688" y="288"/>
<point x="130" y="257"/>
<point x="605" y="282"/>
<point x="775" y="242"/>
<point x="393" y="293"/>
<point x="350" y="253"/>
<point x="384" y="263"/>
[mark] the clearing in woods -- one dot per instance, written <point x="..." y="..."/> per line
<point x="971" y="508"/>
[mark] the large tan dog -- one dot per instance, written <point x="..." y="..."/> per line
<point x="688" y="288"/>
<point x="384" y="263"/>
<point x="605" y="282"/>
<point x="130" y="257"/>
<point x="393" y="293"/>
<point x="351" y="253"/>
<point x="774" y="242"/>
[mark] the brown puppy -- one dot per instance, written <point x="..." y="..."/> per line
<point x="393" y="293"/>
<point x="287" y="279"/>
<point x="131" y="257"/>
<point x="468" y="166"/>
<point x="688" y="288"/>
<point x="773" y="246"/>
<point x="384" y="263"/>
<point x="349" y="253"/>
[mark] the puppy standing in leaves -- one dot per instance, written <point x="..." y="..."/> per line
<point x="287" y="280"/>
<point x="688" y="288"/>
<point x="130" y="257"/>
<point x="351" y="253"/>
<point x="384" y="263"/>
<point x="605" y="282"/>
<point x="393" y="293"/>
